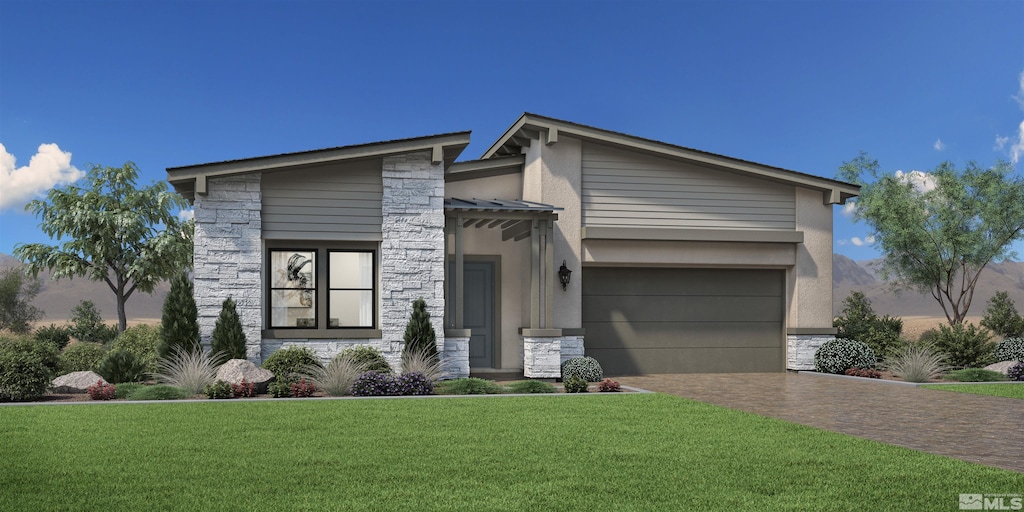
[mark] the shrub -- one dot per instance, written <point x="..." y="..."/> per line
<point x="1010" y="349"/>
<point x="279" y="389"/>
<point x="337" y="377"/>
<point x="227" y="332"/>
<point x="243" y="389"/>
<point x="374" y="383"/>
<point x="419" y="334"/>
<point x="575" y="384"/>
<point x="140" y="340"/>
<point x="87" y="324"/>
<point x="609" y="386"/>
<point x="101" y="391"/>
<point x="974" y="375"/>
<point x="26" y="367"/>
<point x="121" y="366"/>
<point x="302" y="388"/>
<point x="290" y="364"/>
<point x="192" y="371"/>
<point x="126" y="389"/>
<point x="414" y="383"/>
<point x="468" y="386"/>
<point x="157" y="392"/>
<point x="869" y="373"/>
<point x="1002" y="318"/>
<point x="414" y="361"/>
<point x="1016" y="372"/>
<point x="59" y="336"/>
<point x="17" y="289"/>
<point x="179" y="319"/>
<point x="840" y="354"/>
<point x="80" y="357"/>
<point x="965" y="345"/>
<point x="858" y="321"/>
<point x="218" y="391"/>
<point x="587" y="368"/>
<point x="917" y="363"/>
<point x="369" y="357"/>
<point x="531" y="386"/>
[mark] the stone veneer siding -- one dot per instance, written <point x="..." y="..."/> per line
<point x="228" y="256"/>
<point x="412" y="250"/>
<point x="455" y="358"/>
<point x="800" y="349"/>
<point x="543" y="356"/>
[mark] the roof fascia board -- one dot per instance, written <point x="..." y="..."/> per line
<point x="473" y="169"/>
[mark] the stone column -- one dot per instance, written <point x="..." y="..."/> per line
<point x="228" y="256"/>
<point x="800" y="349"/>
<point x="412" y="250"/>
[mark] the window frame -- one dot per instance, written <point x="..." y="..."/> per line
<point x="372" y="288"/>
<point x="271" y="289"/>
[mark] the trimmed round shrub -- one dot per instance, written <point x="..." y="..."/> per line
<point x="1016" y="372"/>
<point x="58" y="335"/>
<point x="575" y="384"/>
<point x="121" y="366"/>
<point x="1010" y="349"/>
<point x="26" y="367"/>
<point x="289" y="364"/>
<point x="840" y="354"/>
<point x="80" y="357"/>
<point x="369" y="358"/>
<point x="374" y="383"/>
<point x="140" y="340"/>
<point x="586" y="368"/>
<point x="531" y="386"/>
<point x="414" y="383"/>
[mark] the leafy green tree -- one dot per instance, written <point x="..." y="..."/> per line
<point x="87" y="324"/>
<point x="858" y="321"/>
<point x="16" y="293"/>
<point x="1001" y="316"/>
<point x="938" y="230"/>
<point x="113" y="233"/>
<point x="228" y="337"/>
<point x="179" y="321"/>
<point x="419" y="333"/>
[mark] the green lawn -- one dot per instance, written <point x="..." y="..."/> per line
<point x="1007" y="390"/>
<point x="608" y="452"/>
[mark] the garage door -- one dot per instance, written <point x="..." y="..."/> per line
<point x="671" y="320"/>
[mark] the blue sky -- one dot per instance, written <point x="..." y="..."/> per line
<point x="800" y="85"/>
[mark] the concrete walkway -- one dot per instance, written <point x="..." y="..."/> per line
<point x="982" y="429"/>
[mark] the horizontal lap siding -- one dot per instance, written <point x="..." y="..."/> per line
<point x="627" y="189"/>
<point x="325" y="202"/>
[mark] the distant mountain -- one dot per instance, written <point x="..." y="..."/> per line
<point x="849" y="276"/>
<point x="59" y="297"/>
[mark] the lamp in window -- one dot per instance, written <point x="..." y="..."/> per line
<point x="564" y="274"/>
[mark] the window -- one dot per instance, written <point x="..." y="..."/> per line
<point x="322" y="289"/>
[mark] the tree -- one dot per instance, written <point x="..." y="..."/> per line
<point x="858" y="321"/>
<point x="16" y="293"/>
<point x="1001" y="316"/>
<point x="87" y="324"/>
<point x="419" y="333"/>
<point x="228" y="337"/>
<point x="937" y="231"/>
<point x="112" y="232"/>
<point x="179" y="321"/>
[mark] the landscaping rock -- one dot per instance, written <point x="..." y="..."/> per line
<point x="235" y="370"/>
<point x="1001" y="367"/>
<point x="76" y="382"/>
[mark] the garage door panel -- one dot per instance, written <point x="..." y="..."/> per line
<point x="611" y="308"/>
<point x="644" y="335"/>
<point x="703" y="282"/>
<point x="697" y="360"/>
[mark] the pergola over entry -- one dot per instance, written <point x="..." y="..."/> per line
<point x="517" y="220"/>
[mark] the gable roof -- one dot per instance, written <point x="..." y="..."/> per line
<point x="536" y="127"/>
<point x="191" y="179"/>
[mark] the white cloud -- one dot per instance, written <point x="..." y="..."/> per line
<point x="48" y="168"/>
<point x="939" y="146"/>
<point x="861" y="242"/>
<point x="921" y="181"/>
<point x="186" y="215"/>
<point x="1001" y="142"/>
<point x="1017" y="149"/>
<point x="849" y="208"/>
<point x="1020" y="90"/>
<point x="841" y="241"/>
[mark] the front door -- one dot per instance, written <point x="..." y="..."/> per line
<point x="478" y="311"/>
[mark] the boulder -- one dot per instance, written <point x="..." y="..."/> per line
<point x="1001" y="367"/>
<point x="235" y="370"/>
<point x="75" y="382"/>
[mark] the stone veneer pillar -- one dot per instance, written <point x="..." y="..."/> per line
<point x="543" y="355"/>
<point x="228" y="255"/>
<point x="412" y="250"/>
<point x="800" y="349"/>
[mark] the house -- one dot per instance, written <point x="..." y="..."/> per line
<point x="677" y="260"/>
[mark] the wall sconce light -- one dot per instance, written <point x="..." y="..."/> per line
<point x="563" y="275"/>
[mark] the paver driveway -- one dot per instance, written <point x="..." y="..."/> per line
<point x="982" y="429"/>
